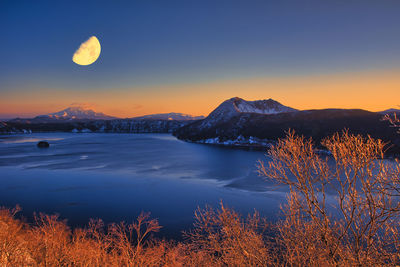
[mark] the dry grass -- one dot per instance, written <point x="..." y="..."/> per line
<point x="342" y="214"/>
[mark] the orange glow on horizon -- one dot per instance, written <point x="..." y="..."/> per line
<point x="372" y="91"/>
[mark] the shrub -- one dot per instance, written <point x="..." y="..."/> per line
<point x="343" y="210"/>
<point x="223" y="238"/>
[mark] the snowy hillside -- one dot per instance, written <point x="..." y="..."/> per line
<point x="236" y="106"/>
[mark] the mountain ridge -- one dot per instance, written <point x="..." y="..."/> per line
<point x="234" y="122"/>
<point x="235" y="106"/>
<point x="227" y="109"/>
<point x="80" y="113"/>
<point x="228" y="126"/>
<point x="168" y="116"/>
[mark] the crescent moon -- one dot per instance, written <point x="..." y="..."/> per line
<point x="88" y="52"/>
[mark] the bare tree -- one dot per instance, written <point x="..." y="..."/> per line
<point x="223" y="238"/>
<point x="394" y="120"/>
<point x="343" y="208"/>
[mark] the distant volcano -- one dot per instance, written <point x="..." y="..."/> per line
<point x="65" y="115"/>
<point x="78" y="113"/>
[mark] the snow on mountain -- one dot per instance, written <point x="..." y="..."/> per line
<point x="236" y="105"/>
<point x="78" y="113"/>
<point x="169" y="116"/>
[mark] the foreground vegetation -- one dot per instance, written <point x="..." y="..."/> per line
<point x="340" y="214"/>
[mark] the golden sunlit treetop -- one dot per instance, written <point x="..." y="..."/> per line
<point x="88" y="52"/>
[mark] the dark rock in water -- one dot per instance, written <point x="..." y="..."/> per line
<point x="43" y="144"/>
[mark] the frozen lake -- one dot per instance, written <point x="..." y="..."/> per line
<point x="116" y="176"/>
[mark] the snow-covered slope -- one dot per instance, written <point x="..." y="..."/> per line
<point x="169" y="116"/>
<point x="78" y="113"/>
<point x="236" y="106"/>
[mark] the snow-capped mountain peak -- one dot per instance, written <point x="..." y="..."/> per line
<point x="78" y="113"/>
<point x="236" y="105"/>
<point x="268" y="106"/>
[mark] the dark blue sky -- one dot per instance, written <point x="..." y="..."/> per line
<point x="147" y="43"/>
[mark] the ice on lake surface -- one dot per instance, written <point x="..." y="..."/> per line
<point x="116" y="176"/>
